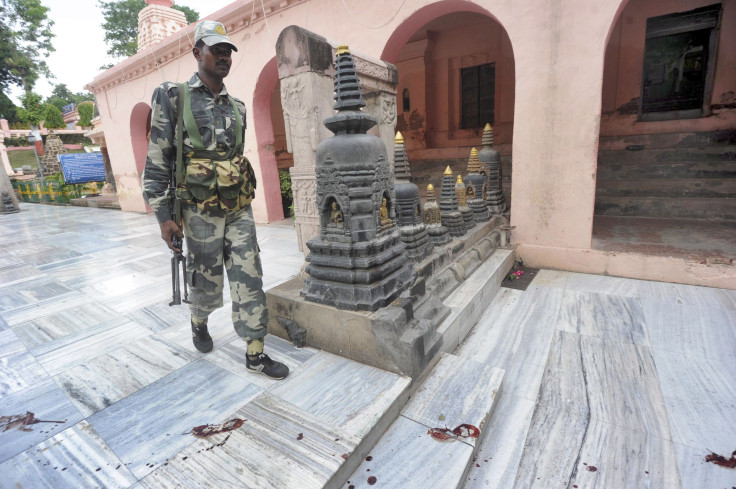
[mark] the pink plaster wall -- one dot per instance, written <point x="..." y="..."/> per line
<point x="558" y="57"/>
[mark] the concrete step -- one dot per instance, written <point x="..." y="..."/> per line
<point x="432" y="442"/>
<point x="700" y="170"/>
<point x="724" y="153"/>
<point x="697" y="208"/>
<point x="669" y="140"/>
<point x="667" y="187"/>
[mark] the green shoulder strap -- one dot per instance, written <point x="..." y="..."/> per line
<point x="195" y="137"/>
<point x="183" y="89"/>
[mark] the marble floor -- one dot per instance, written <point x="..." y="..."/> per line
<point x="609" y="382"/>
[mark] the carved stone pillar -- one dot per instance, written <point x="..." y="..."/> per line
<point x="306" y="69"/>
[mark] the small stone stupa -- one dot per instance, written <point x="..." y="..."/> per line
<point x="475" y="183"/>
<point x="462" y="203"/>
<point x="50" y="159"/>
<point x="358" y="262"/>
<point x="451" y="216"/>
<point x="431" y="217"/>
<point x="408" y="207"/>
<point x="492" y="160"/>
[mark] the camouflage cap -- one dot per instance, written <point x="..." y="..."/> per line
<point x="212" y="33"/>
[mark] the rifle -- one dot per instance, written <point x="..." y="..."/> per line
<point x="175" y="206"/>
<point x="178" y="257"/>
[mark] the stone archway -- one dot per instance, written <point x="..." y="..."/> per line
<point x="439" y="50"/>
<point x="262" y="116"/>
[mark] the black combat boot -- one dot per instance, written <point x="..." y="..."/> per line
<point x="262" y="364"/>
<point x="201" y="338"/>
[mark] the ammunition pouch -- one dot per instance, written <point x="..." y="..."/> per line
<point x="221" y="182"/>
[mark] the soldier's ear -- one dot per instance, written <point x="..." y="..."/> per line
<point x="197" y="53"/>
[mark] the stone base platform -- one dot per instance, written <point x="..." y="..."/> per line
<point x="452" y="288"/>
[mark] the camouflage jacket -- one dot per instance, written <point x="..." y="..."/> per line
<point x="216" y="120"/>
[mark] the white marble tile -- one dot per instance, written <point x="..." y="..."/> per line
<point x="18" y="274"/>
<point x="347" y="394"/>
<point x="152" y="425"/>
<point x="603" y="316"/>
<point x="161" y="316"/>
<point x="108" y="378"/>
<point x="54" y="326"/>
<point x="622" y="387"/>
<point x="703" y="425"/>
<point x="707" y="332"/>
<point x="696" y="379"/>
<point x="501" y="444"/>
<point x="550" y="278"/>
<point x="457" y="391"/>
<point x="278" y="446"/>
<point x="692" y="295"/>
<point x="33" y="311"/>
<point x="601" y="284"/>
<point x="232" y="357"/>
<point x="696" y="473"/>
<point x="76" y="457"/>
<point x="220" y="327"/>
<point x="45" y="402"/>
<point x="18" y="368"/>
<point x="514" y="334"/>
<point x="73" y="350"/>
<point x="622" y="458"/>
<point x="407" y="457"/>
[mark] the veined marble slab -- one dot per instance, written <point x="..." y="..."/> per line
<point x="407" y="457"/>
<point x="73" y="350"/>
<point x="108" y="378"/>
<point x="697" y="379"/>
<point x="703" y="425"/>
<point x="600" y="404"/>
<point x="33" y="311"/>
<point x="344" y="393"/>
<point x="550" y="278"/>
<point x="457" y="391"/>
<point x="700" y="331"/>
<point x="501" y="444"/>
<point x="279" y="446"/>
<point x="603" y="316"/>
<point x="118" y="285"/>
<point x="692" y="295"/>
<point x="599" y="284"/>
<point x="3" y="324"/>
<point x="161" y="316"/>
<point x="30" y="292"/>
<point x="514" y="334"/>
<point x="151" y="426"/>
<point x="73" y="320"/>
<point x="18" y="368"/>
<point x="76" y="457"/>
<point x="17" y="274"/>
<point x="232" y="357"/>
<point x="47" y="403"/>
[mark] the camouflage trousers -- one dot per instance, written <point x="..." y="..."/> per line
<point x="216" y="239"/>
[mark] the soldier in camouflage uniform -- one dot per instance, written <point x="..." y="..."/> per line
<point x="216" y="187"/>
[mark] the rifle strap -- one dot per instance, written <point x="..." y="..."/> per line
<point x="183" y="88"/>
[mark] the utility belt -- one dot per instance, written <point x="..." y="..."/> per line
<point x="217" y="180"/>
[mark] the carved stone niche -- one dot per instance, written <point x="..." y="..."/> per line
<point x="306" y="68"/>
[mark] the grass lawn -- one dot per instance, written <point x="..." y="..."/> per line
<point x="22" y="157"/>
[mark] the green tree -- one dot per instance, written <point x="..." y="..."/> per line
<point x="121" y="24"/>
<point x="86" y="113"/>
<point x="32" y="111"/>
<point x="8" y="109"/>
<point x="61" y="96"/>
<point x="52" y="118"/>
<point x="25" y="42"/>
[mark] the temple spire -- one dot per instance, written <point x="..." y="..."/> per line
<point x="402" y="171"/>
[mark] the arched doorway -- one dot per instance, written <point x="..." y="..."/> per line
<point x="668" y="132"/>
<point x="140" y="125"/>
<point x="263" y="116"/>
<point x="456" y="73"/>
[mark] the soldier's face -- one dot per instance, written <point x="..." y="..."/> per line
<point x="215" y="60"/>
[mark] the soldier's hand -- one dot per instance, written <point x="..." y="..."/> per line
<point x="168" y="230"/>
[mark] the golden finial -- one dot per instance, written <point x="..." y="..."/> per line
<point x="459" y="179"/>
<point x="344" y="49"/>
<point x="430" y="187"/>
<point x="488" y="127"/>
<point x="448" y="170"/>
<point x="399" y="138"/>
<point x="473" y="162"/>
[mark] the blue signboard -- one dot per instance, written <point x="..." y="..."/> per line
<point x="82" y="167"/>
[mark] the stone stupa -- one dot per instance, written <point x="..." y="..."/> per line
<point x="358" y="262"/>
<point x="462" y="203"/>
<point x="408" y="207"/>
<point x="432" y="218"/>
<point x="452" y="219"/>
<point x="492" y="161"/>
<point x="476" y="183"/>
